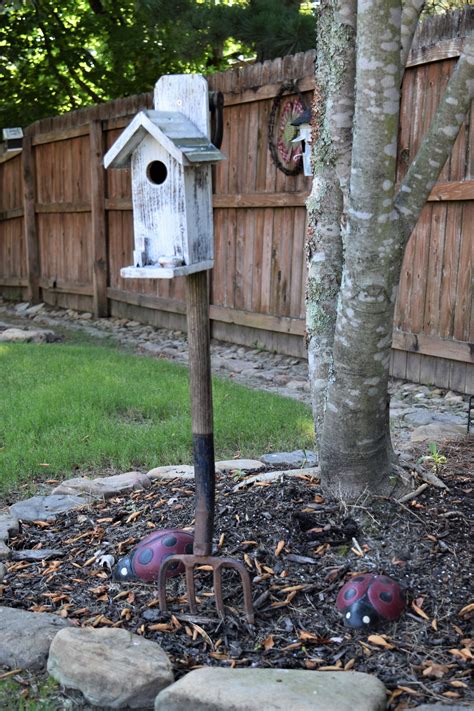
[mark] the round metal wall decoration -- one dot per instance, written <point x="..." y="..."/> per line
<point x="286" y="155"/>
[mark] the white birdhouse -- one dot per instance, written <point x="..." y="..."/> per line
<point x="170" y="155"/>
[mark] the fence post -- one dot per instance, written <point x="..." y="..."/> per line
<point x="98" y="221"/>
<point x="29" y="217"/>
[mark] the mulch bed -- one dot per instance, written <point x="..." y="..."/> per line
<point x="299" y="548"/>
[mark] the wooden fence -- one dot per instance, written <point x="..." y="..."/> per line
<point x="66" y="227"/>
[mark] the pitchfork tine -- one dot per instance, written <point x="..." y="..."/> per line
<point x="218" y="590"/>
<point x="190" y="589"/>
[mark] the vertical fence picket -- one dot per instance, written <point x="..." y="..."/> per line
<point x="98" y="221"/>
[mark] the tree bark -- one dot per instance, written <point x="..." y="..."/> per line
<point x="350" y="365"/>
<point x="332" y="138"/>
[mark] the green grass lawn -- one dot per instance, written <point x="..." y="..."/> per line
<point x="71" y="408"/>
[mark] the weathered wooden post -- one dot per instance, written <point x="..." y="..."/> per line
<point x="171" y="155"/>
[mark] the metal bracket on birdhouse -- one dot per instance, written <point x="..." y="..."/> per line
<point x="170" y="153"/>
<point x="216" y="107"/>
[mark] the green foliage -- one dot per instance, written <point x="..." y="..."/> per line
<point x="66" y="409"/>
<point x="41" y="694"/>
<point x="275" y="29"/>
<point x="438" y="7"/>
<point x="434" y="458"/>
<point x="55" y="57"/>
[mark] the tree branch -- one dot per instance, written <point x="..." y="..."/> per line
<point x="436" y="146"/>
<point x="411" y="10"/>
<point x="340" y="97"/>
<point x="333" y="108"/>
<point x="377" y="108"/>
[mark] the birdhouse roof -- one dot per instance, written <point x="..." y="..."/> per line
<point x="172" y="130"/>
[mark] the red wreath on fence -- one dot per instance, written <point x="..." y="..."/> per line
<point x="285" y="154"/>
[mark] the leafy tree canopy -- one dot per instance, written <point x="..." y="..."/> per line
<point x="59" y="56"/>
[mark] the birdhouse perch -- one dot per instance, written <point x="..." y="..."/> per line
<point x="170" y="154"/>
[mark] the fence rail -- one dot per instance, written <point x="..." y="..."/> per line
<point x="66" y="224"/>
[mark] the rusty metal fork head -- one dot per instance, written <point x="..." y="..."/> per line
<point x="217" y="564"/>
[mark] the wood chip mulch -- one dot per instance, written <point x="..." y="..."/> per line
<point x="299" y="548"/>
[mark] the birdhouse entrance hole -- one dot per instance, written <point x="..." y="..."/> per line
<point x="156" y="172"/>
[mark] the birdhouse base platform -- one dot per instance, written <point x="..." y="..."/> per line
<point x="157" y="272"/>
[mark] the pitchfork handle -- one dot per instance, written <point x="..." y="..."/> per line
<point x="197" y="303"/>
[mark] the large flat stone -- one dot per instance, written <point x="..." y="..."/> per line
<point x="242" y="465"/>
<point x="106" y="486"/>
<point x="26" y="637"/>
<point x="110" y="667"/>
<point x="45" y="508"/>
<point x="166" y="473"/>
<point x="5" y="552"/>
<point x="215" y="689"/>
<point x="299" y="458"/>
<point x="437" y="433"/>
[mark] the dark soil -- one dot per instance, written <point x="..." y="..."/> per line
<point x="299" y="548"/>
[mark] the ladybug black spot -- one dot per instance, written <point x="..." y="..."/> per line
<point x="173" y="565"/>
<point x="145" y="556"/>
<point x="350" y="593"/>
<point x="189" y="548"/>
<point x="386" y="597"/>
<point x="170" y="541"/>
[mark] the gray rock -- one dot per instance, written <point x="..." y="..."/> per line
<point x="33" y="310"/>
<point x="3" y="572"/>
<point x="296" y="384"/>
<point x="151" y="348"/>
<point x="17" y="335"/>
<point x="437" y="433"/>
<point x="298" y="458"/>
<point x="249" y="373"/>
<point x="182" y="471"/>
<point x="443" y="707"/>
<point x="21" y="308"/>
<point x="106" y="486"/>
<point x="235" y="365"/>
<point x="9" y="526"/>
<point x="451" y="396"/>
<point x="429" y="417"/>
<point x="5" y="552"/>
<point x="45" y="508"/>
<point x="26" y="637"/>
<point x="226" y="466"/>
<point x="37" y="554"/>
<point x="217" y="689"/>
<point x="275" y="476"/>
<point x="110" y="667"/>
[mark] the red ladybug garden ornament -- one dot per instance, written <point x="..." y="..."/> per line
<point x="144" y="561"/>
<point x="369" y="599"/>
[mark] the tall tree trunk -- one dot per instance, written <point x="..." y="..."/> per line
<point x="349" y="363"/>
<point x="355" y="438"/>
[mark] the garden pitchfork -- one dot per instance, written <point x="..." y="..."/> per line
<point x="203" y="454"/>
